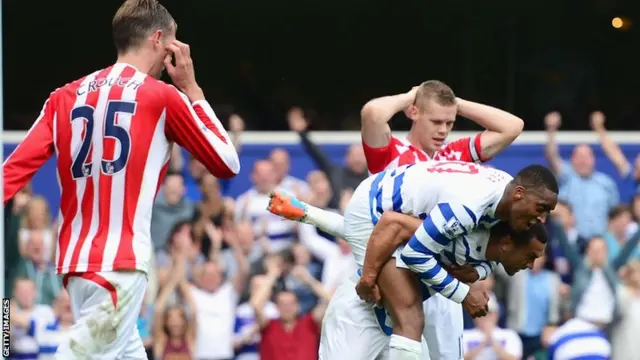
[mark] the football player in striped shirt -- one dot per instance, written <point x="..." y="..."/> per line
<point x="440" y="193"/>
<point x="112" y="132"/>
<point x="432" y="108"/>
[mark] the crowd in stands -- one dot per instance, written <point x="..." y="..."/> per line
<point x="232" y="281"/>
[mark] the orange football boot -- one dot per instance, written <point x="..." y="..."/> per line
<point x="287" y="206"/>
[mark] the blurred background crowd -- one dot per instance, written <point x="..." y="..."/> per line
<point x="231" y="281"/>
<point x="229" y="276"/>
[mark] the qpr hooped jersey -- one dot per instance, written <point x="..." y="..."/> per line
<point x="457" y="202"/>
<point x="112" y="132"/>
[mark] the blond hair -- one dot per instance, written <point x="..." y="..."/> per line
<point x="437" y="91"/>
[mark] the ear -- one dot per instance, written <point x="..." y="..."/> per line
<point x="518" y="192"/>
<point x="156" y="37"/>
<point x="413" y="112"/>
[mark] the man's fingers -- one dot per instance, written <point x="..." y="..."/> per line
<point x="175" y="49"/>
<point x="168" y="65"/>
<point x="186" y="50"/>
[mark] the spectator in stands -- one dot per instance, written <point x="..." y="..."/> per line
<point x="50" y="335"/>
<point x="252" y="206"/>
<point x="340" y="177"/>
<point x="37" y="219"/>
<point x="247" y="332"/>
<point x="281" y="164"/>
<point x="192" y="176"/>
<point x="630" y="173"/>
<point x="174" y="333"/>
<point x="578" y="339"/>
<point x="212" y="208"/>
<point x="335" y="254"/>
<point x="488" y="341"/>
<point x="303" y="264"/>
<point x="595" y="278"/>
<point x="144" y="324"/>
<point x="180" y="246"/>
<point x="579" y="178"/>
<point x="171" y="207"/>
<point x="625" y="333"/>
<point x="563" y="215"/>
<point x="12" y="221"/>
<point x="23" y="305"/>
<point x="533" y="304"/>
<point x="194" y="172"/>
<point x="36" y="266"/>
<point x="293" y="335"/>
<point x="242" y="234"/>
<point x="618" y="231"/>
<point x="216" y="300"/>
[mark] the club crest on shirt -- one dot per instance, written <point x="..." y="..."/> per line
<point x="453" y="228"/>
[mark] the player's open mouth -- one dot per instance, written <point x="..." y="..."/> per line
<point x="438" y="141"/>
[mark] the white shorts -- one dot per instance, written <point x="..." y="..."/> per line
<point x="443" y="317"/>
<point x="350" y="328"/>
<point x="443" y="326"/>
<point x="105" y="306"/>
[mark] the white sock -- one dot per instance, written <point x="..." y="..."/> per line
<point x="402" y="348"/>
<point x="331" y="222"/>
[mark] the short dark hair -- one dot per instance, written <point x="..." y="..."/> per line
<point x="535" y="176"/>
<point x="135" y="20"/>
<point x="537" y="231"/>
<point x="618" y="210"/>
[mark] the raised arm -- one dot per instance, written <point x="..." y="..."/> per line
<point x="570" y="251"/>
<point x="610" y="148"/>
<point x="262" y="294"/>
<point x="239" y="279"/>
<point x="195" y="127"/>
<point x="502" y="127"/>
<point x="190" y="120"/>
<point x="299" y="124"/>
<point x="178" y="271"/>
<point x="34" y="150"/>
<point x="375" y="116"/>
<point x="626" y="252"/>
<point x="192" y="322"/>
<point x="302" y="274"/>
<point x="552" y="123"/>
<point x="443" y="224"/>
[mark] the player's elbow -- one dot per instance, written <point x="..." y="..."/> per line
<point x="515" y="128"/>
<point x="230" y="166"/>
<point x="370" y="112"/>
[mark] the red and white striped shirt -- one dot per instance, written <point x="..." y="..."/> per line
<point x="112" y="132"/>
<point x="400" y="152"/>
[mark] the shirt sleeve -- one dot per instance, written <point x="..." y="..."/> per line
<point x="611" y="188"/>
<point x="565" y="173"/>
<point x="379" y="158"/>
<point x="445" y="223"/>
<point x="196" y="128"/>
<point x="36" y="148"/>
<point x="485" y="269"/>
<point x="467" y="149"/>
